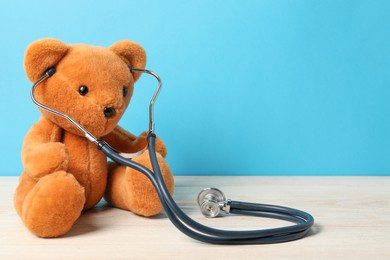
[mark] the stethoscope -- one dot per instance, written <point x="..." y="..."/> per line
<point x="211" y="200"/>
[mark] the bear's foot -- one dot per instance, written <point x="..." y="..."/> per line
<point x="131" y="190"/>
<point x="53" y="205"/>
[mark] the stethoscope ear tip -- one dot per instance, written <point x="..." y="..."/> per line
<point x="50" y="72"/>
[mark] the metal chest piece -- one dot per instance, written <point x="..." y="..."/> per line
<point x="211" y="201"/>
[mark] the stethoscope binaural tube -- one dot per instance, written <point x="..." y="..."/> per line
<point x="303" y="221"/>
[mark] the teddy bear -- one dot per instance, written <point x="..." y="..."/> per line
<point x="64" y="173"/>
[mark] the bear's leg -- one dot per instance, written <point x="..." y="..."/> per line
<point x="131" y="190"/>
<point x="52" y="205"/>
<point x="116" y="188"/>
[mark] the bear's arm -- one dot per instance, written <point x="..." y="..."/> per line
<point x="126" y="142"/>
<point x="42" y="151"/>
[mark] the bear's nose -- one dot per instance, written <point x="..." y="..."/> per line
<point x="109" y="111"/>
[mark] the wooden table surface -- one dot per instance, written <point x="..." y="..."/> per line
<point x="352" y="217"/>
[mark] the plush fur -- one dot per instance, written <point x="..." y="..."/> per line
<point x="64" y="173"/>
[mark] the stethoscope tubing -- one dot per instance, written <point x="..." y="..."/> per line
<point x="218" y="236"/>
<point x="206" y="234"/>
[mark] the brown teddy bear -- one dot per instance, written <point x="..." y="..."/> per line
<point x="64" y="173"/>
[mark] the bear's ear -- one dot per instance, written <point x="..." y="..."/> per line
<point x="42" y="55"/>
<point x="131" y="53"/>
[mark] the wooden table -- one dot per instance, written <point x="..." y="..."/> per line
<point x="352" y="222"/>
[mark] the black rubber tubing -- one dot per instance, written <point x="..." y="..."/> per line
<point x="206" y="234"/>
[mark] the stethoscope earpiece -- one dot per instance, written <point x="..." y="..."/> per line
<point x="211" y="201"/>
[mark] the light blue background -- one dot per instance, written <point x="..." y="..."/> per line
<point x="250" y="87"/>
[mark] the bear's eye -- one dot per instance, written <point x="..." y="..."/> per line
<point x="125" y="91"/>
<point x="83" y="90"/>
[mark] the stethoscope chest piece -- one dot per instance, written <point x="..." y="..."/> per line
<point x="211" y="201"/>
